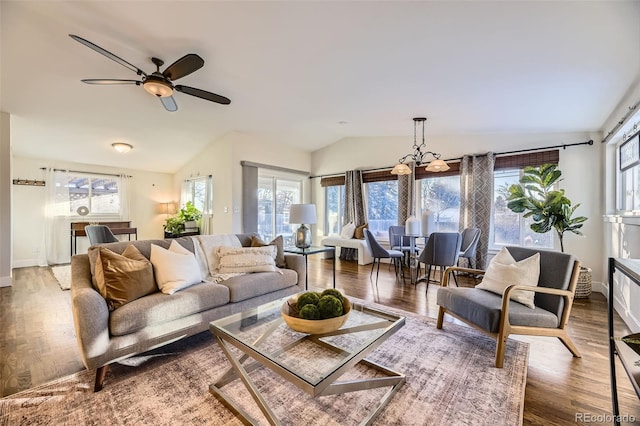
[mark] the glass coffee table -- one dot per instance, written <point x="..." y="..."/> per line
<point x="313" y="363"/>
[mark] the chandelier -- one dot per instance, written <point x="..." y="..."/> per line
<point x="418" y="156"/>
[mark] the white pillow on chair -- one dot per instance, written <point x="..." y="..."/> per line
<point x="504" y="271"/>
<point x="348" y="230"/>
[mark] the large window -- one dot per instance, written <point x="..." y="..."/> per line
<point x="382" y="206"/>
<point x="511" y="228"/>
<point x="99" y="194"/>
<point x="275" y="196"/>
<point x="629" y="175"/>
<point x="199" y="192"/>
<point x="441" y="196"/>
<point x="334" y="210"/>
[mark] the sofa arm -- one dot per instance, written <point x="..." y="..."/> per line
<point x="90" y="313"/>
<point x="296" y="262"/>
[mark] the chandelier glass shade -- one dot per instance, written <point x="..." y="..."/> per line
<point x="419" y="154"/>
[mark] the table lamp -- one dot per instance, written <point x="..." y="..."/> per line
<point x="304" y="214"/>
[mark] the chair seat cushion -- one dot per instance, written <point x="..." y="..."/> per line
<point x="483" y="308"/>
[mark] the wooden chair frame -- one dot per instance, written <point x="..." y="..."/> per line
<point x="506" y="328"/>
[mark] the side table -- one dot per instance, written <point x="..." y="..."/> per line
<point x="309" y="251"/>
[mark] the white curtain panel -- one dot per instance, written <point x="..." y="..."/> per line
<point x="57" y="218"/>
<point x="124" y="191"/>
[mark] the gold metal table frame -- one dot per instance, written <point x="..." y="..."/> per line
<point x="252" y="358"/>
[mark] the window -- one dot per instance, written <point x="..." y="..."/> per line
<point x="382" y="206"/>
<point x="629" y="175"/>
<point x="511" y="228"/>
<point x="441" y="195"/>
<point x="199" y="191"/>
<point x="275" y="196"/>
<point x="334" y="210"/>
<point x="98" y="193"/>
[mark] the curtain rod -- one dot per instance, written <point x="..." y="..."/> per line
<point x="623" y="120"/>
<point x="86" y="173"/>
<point x="563" y="146"/>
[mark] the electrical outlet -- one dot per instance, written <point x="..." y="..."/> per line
<point x="226" y="209"/>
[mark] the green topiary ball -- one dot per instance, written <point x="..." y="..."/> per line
<point x="330" y="307"/>
<point x="309" y="312"/>
<point x="332" y="292"/>
<point x="309" y="298"/>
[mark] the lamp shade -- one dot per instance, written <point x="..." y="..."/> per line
<point x="302" y="213"/>
<point x="437" y="166"/>
<point x="401" y="169"/>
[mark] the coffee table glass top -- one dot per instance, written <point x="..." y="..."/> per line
<point x="261" y="332"/>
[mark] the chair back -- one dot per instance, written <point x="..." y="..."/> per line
<point x="556" y="270"/>
<point x="375" y="248"/>
<point x="442" y="249"/>
<point x="99" y="234"/>
<point x="470" y="239"/>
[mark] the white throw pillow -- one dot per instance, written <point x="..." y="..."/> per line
<point x="348" y="230"/>
<point x="504" y="271"/>
<point x="175" y="268"/>
<point x="246" y="259"/>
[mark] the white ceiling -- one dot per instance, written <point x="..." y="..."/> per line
<point x="295" y="69"/>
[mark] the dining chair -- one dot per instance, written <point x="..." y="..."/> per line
<point x="378" y="252"/>
<point x="470" y="239"/>
<point x="442" y="250"/>
<point x="99" y="234"/>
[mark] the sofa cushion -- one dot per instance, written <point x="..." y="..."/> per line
<point x="484" y="308"/>
<point x="250" y="285"/>
<point x="234" y="260"/>
<point x="121" y="278"/>
<point x="175" y="268"/>
<point x="210" y="244"/>
<point x="504" y="271"/>
<point x="160" y="307"/>
<point x="278" y="241"/>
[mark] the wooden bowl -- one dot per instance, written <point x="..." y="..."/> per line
<point x="314" y="326"/>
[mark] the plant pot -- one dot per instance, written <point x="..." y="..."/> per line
<point x="583" y="288"/>
<point x="190" y="224"/>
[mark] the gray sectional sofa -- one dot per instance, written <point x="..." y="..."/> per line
<point x="156" y="319"/>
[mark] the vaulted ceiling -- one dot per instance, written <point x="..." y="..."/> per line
<point x="308" y="74"/>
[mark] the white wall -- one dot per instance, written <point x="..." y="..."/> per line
<point x="5" y="200"/>
<point x="581" y="166"/>
<point x="147" y="190"/>
<point x="221" y="159"/>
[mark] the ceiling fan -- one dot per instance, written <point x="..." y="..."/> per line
<point x="158" y="83"/>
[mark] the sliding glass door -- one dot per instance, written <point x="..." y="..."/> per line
<point x="275" y="196"/>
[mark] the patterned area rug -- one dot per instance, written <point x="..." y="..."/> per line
<point x="62" y="274"/>
<point x="450" y="380"/>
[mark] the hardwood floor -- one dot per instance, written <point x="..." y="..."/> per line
<point x="37" y="343"/>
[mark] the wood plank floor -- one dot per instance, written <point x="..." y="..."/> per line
<point x="37" y="341"/>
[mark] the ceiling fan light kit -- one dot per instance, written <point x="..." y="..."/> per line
<point x="418" y="155"/>
<point x="159" y="84"/>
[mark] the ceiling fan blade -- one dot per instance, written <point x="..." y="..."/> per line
<point x="109" y="81"/>
<point x="169" y="103"/>
<point x="183" y="66"/>
<point x="108" y="54"/>
<point x="202" y="94"/>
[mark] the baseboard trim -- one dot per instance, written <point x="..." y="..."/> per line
<point x="25" y="263"/>
<point x="5" y="281"/>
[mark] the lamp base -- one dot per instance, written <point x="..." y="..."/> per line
<point x="303" y="237"/>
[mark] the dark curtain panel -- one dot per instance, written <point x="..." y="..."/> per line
<point x="406" y="195"/>
<point x="249" y="198"/>
<point x="354" y="207"/>
<point x="476" y="199"/>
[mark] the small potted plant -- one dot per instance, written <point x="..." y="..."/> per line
<point x="190" y="215"/>
<point x="174" y="226"/>
<point x="549" y="209"/>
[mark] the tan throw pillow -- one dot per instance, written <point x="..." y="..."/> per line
<point x="121" y="278"/>
<point x="247" y="259"/>
<point x="359" y="232"/>
<point x="278" y="242"/>
<point x="175" y="269"/>
<point x="504" y="271"/>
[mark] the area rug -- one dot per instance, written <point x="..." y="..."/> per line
<point x="450" y="380"/>
<point x="62" y="274"/>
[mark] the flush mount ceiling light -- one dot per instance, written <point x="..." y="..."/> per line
<point x="418" y="155"/>
<point x="122" y="147"/>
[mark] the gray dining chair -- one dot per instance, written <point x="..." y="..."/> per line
<point x="442" y="250"/>
<point x="378" y="252"/>
<point x="470" y="239"/>
<point x="99" y="234"/>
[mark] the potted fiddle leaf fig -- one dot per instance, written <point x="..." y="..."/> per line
<point x="548" y="208"/>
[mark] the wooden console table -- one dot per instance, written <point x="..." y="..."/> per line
<point x="118" y="228"/>
<point x="629" y="358"/>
